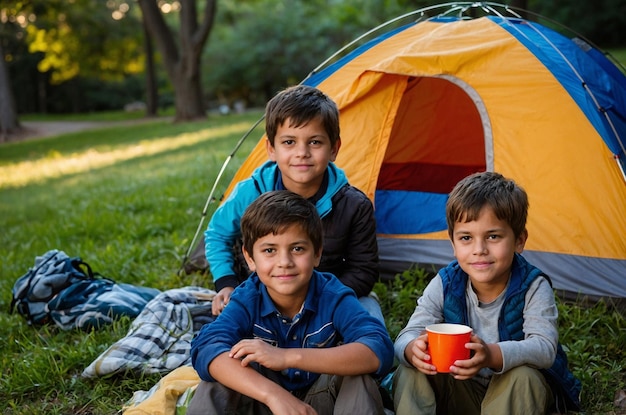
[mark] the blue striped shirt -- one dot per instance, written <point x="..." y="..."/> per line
<point x="331" y="315"/>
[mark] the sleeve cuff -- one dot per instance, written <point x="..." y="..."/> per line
<point x="226" y="281"/>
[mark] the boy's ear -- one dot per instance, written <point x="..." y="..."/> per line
<point x="520" y="243"/>
<point x="249" y="259"/>
<point x="335" y="150"/>
<point x="271" y="151"/>
<point x="453" y="247"/>
<point x="318" y="258"/>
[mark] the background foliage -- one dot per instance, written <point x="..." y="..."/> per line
<point x="93" y="56"/>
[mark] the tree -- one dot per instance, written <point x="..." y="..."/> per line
<point x="82" y="39"/>
<point x="11" y="33"/>
<point x="252" y="71"/>
<point x="151" y="85"/>
<point x="601" y="22"/>
<point x="65" y="56"/>
<point x="182" y="61"/>
<point x="8" y="115"/>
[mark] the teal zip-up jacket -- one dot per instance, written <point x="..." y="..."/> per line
<point x="565" y="387"/>
<point x="350" y="250"/>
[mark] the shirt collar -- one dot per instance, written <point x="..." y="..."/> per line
<point x="268" y="307"/>
<point x="313" y="199"/>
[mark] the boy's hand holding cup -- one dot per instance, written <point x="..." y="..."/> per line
<point x="446" y="344"/>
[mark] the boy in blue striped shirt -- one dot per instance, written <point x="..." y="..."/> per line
<point x="291" y="339"/>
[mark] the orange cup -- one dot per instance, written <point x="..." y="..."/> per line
<point x="446" y="344"/>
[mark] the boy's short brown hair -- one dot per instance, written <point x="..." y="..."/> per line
<point x="273" y="212"/>
<point x="300" y="104"/>
<point x="508" y="200"/>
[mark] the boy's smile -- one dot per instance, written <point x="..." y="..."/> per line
<point x="485" y="249"/>
<point x="302" y="155"/>
<point x="284" y="263"/>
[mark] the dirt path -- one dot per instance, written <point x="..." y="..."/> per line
<point x="42" y="129"/>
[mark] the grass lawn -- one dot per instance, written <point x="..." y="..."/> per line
<point x="127" y="200"/>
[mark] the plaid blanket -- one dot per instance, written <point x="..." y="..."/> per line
<point x="159" y="339"/>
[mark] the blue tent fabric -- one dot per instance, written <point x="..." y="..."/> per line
<point x="431" y="220"/>
<point x="600" y="94"/>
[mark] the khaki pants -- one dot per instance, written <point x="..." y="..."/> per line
<point x="329" y="395"/>
<point x="521" y="390"/>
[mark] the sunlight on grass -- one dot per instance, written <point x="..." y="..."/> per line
<point x="57" y="165"/>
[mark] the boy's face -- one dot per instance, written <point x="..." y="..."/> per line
<point x="302" y="155"/>
<point x="485" y="249"/>
<point x="284" y="263"/>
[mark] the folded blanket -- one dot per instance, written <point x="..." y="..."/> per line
<point x="159" y="339"/>
<point x="171" y="395"/>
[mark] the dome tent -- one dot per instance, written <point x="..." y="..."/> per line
<point x="426" y="103"/>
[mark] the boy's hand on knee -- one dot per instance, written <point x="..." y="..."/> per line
<point x="255" y="350"/>
<point x="287" y="404"/>
<point x="416" y="353"/>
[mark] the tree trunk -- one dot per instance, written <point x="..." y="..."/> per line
<point x="42" y="92"/>
<point x="188" y="93"/>
<point x="152" y="95"/>
<point x="182" y="63"/>
<point x="8" y="115"/>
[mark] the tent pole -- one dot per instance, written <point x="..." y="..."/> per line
<point x="210" y="198"/>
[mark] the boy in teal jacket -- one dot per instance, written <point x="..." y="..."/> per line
<point x="302" y="127"/>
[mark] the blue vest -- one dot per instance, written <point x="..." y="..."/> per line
<point x="565" y="387"/>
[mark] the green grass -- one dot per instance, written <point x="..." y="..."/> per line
<point x="128" y="200"/>
<point x="129" y="207"/>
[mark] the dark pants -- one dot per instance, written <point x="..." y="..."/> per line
<point x="329" y="395"/>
